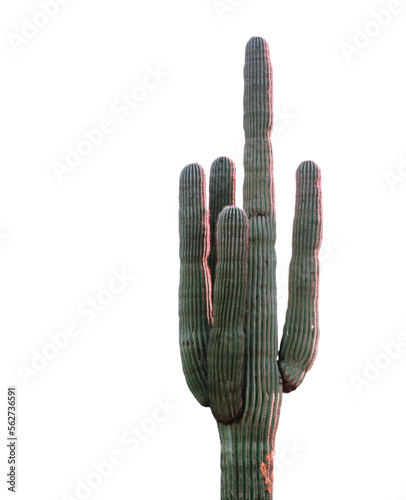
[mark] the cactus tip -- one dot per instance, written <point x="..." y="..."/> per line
<point x="256" y="42"/>
<point x="308" y="169"/>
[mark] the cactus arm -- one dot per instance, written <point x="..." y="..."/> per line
<point x="195" y="309"/>
<point x="226" y="345"/>
<point x="301" y="330"/>
<point x="221" y="194"/>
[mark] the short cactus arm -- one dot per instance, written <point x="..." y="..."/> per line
<point x="221" y="194"/>
<point x="195" y="310"/>
<point x="227" y="341"/>
<point x="301" y="331"/>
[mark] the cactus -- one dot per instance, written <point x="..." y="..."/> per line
<point x="228" y="332"/>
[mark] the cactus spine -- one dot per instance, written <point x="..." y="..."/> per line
<point x="228" y="332"/>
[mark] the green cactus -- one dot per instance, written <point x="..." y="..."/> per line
<point x="228" y="333"/>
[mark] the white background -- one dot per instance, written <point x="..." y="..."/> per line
<point x="118" y="210"/>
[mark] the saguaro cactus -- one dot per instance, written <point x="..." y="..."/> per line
<point x="228" y="332"/>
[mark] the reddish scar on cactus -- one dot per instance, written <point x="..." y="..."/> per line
<point x="266" y="472"/>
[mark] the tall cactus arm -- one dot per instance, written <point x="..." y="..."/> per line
<point x="226" y="346"/>
<point x="259" y="205"/>
<point x="258" y="117"/>
<point x="195" y="309"/>
<point x="301" y="330"/>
